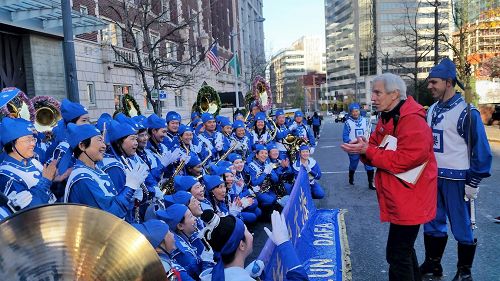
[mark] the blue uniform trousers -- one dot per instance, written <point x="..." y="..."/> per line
<point x="451" y="204"/>
<point x="317" y="191"/>
<point x="353" y="163"/>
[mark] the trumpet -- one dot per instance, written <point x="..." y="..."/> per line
<point x="204" y="161"/>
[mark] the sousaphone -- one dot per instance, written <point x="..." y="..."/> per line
<point x="208" y="100"/>
<point x="74" y="242"/>
<point x="18" y="105"/>
<point x="47" y="113"/>
<point x="262" y="93"/>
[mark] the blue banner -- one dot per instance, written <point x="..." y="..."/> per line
<point x="319" y="238"/>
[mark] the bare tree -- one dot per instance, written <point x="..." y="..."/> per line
<point x="147" y="27"/>
<point x="414" y="43"/>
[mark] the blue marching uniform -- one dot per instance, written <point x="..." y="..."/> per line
<point x="354" y="128"/>
<point x="314" y="174"/>
<point x="15" y="176"/>
<point x="304" y="131"/>
<point x="94" y="187"/>
<point x="450" y="127"/>
<point x="169" y="263"/>
<point x="281" y="133"/>
<point x="214" y="142"/>
<point x="257" y="177"/>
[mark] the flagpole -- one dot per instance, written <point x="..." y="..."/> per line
<point x="235" y="56"/>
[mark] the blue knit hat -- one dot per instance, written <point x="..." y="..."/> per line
<point x="271" y="146"/>
<point x="7" y="95"/>
<point x="224" y="121"/>
<point x="446" y="69"/>
<point x="104" y="118"/>
<point x="154" y="230"/>
<point x="354" y="106"/>
<point x="279" y="112"/>
<point x="79" y="133"/>
<point x="193" y="161"/>
<point x="259" y="147"/>
<point x="141" y="120"/>
<point x="155" y="122"/>
<point x="179" y="197"/>
<point x="184" y="128"/>
<point x="238" y="124"/>
<point x="184" y="183"/>
<point x="298" y="113"/>
<point x="233" y="157"/>
<point x="195" y="115"/>
<point x="221" y="168"/>
<point x="173" y="116"/>
<point x="212" y="182"/>
<point x="12" y="129"/>
<point x="260" y="116"/>
<point x="71" y="110"/>
<point x="304" y="147"/>
<point x="172" y="215"/>
<point x="117" y="130"/>
<point x="205" y="117"/>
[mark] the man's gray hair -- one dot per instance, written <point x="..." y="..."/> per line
<point x="392" y="82"/>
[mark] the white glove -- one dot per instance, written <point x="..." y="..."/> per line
<point x="255" y="268"/>
<point x="135" y="177"/>
<point x="246" y="202"/>
<point x="166" y="158"/>
<point x="268" y="168"/>
<point x="21" y="199"/>
<point x="158" y="193"/>
<point x="138" y="194"/>
<point x="256" y="189"/>
<point x="311" y="150"/>
<point x="283" y="200"/>
<point x="219" y="146"/>
<point x="293" y="127"/>
<point x="234" y="210"/>
<point x="185" y="157"/>
<point x="471" y="192"/>
<point x="279" y="235"/>
<point x="207" y="256"/>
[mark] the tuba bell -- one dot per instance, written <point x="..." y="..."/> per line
<point x="47" y="113"/>
<point x="19" y="105"/>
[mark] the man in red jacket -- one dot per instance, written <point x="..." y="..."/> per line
<point x="403" y="204"/>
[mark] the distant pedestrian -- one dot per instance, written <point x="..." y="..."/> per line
<point x="457" y="127"/>
<point x="403" y="204"/>
<point x="316" y="123"/>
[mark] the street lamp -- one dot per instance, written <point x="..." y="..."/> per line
<point x="234" y="50"/>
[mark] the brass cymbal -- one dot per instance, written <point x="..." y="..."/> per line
<point x="74" y="242"/>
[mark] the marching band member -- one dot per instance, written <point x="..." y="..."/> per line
<point x="183" y="225"/>
<point x="301" y="130"/>
<point x="283" y="168"/>
<point x="354" y="127"/>
<point x="195" y="117"/>
<point x="313" y="171"/>
<point x="216" y="194"/>
<point x="145" y="154"/>
<point x="22" y="178"/>
<point x="260" y="133"/>
<point x="260" y="171"/>
<point x="212" y="138"/>
<point x="91" y="186"/>
<point x="254" y="109"/>
<point x="232" y="243"/>
<point x="242" y="137"/>
<point x="158" y="234"/>
<point x="196" y="191"/>
<point x="194" y="167"/>
<point x="162" y="156"/>
<point x="173" y="119"/>
<point x="282" y="132"/>
<point x="187" y="146"/>
<point x="226" y="128"/>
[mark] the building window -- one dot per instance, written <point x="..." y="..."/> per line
<point x="178" y="99"/>
<point x="119" y="91"/>
<point x="153" y="39"/>
<point x="171" y="49"/>
<point x="91" y="93"/>
<point x="165" y="9"/>
<point x="84" y="10"/>
<point x="112" y="35"/>
<point x="138" y="37"/>
<point x="147" y="104"/>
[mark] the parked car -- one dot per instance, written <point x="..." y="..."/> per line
<point x="495" y="115"/>
<point x="341" y="117"/>
<point x="329" y="113"/>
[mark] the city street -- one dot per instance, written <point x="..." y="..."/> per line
<point x="367" y="236"/>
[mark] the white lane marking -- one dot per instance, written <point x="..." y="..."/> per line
<point x="328" y="146"/>
<point x="341" y="172"/>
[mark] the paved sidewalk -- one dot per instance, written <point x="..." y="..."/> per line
<point x="493" y="133"/>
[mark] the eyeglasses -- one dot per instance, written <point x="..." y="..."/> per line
<point x="27" y="140"/>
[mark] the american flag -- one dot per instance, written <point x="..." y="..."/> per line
<point x="214" y="59"/>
